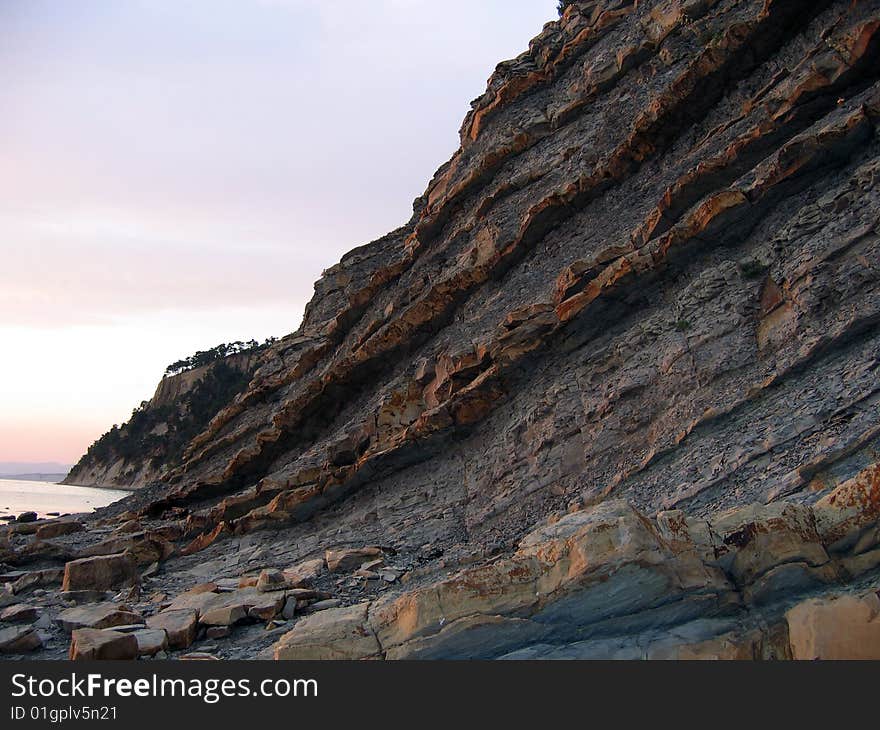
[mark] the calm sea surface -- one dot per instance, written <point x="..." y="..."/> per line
<point x="42" y="497"/>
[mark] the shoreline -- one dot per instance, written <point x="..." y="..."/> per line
<point x="47" y="500"/>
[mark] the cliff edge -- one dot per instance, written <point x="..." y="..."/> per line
<point x="612" y="391"/>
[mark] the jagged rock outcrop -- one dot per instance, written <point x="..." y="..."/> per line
<point x="608" y="582"/>
<point x="612" y="390"/>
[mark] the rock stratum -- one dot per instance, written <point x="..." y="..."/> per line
<point x="611" y="392"/>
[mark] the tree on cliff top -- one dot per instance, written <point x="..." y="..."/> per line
<point x="206" y="357"/>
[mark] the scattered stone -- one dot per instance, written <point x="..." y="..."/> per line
<point x="26" y="517"/>
<point x="98" y="644"/>
<point x="151" y="571"/>
<point x="290" y="605"/>
<point x="305" y="573"/>
<point x="151" y="641"/>
<point x="19" y="613"/>
<point x="34" y="578"/>
<point x="181" y="626"/>
<point x="271" y="580"/>
<point x="129" y="526"/>
<point x="267" y="608"/>
<point x="223" y="615"/>
<point x="324" y="605"/>
<point x="218" y="632"/>
<point x="99" y="616"/>
<point x="199" y="656"/>
<point x="57" y="528"/>
<point x="19" y="640"/>
<point x="344" y="560"/>
<point x="199" y="590"/>
<point x="144" y="547"/>
<point x="101" y="572"/>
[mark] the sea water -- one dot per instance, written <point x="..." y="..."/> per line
<point x="18" y="496"/>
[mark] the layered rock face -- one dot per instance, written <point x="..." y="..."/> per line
<point x="613" y="390"/>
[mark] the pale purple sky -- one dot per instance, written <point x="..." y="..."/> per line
<point x="177" y="173"/>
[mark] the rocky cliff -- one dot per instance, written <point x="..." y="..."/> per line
<point x="144" y="448"/>
<point x="612" y="391"/>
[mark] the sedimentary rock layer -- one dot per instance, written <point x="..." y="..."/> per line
<point x="645" y="291"/>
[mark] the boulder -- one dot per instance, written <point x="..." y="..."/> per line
<point x="223" y="615"/>
<point x="26" y="517"/>
<point x="97" y="616"/>
<point x="268" y="608"/>
<point x="180" y="626"/>
<point x="19" y="640"/>
<point x="98" y="644"/>
<point x="845" y="627"/>
<point x="129" y="526"/>
<point x="145" y="547"/>
<point x="57" y="528"/>
<point x="271" y="580"/>
<point x="340" y="633"/>
<point x="100" y="573"/>
<point x="344" y="560"/>
<point x="151" y="641"/>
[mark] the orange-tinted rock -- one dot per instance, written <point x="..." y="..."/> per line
<point x="104" y="572"/>
<point x="98" y="644"/>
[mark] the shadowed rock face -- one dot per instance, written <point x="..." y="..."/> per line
<point x="651" y="273"/>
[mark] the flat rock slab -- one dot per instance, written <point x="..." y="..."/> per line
<point x="99" y="616"/>
<point x="100" y="573"/>
<point x="57" y="528"/>
<point x="35" y="578"/>
<point x="19" y="640"/>
<point x="344" y="560"/>
<point x="19" y="613"/>
<point x="180" y="626"/>
<point x="95" y="644"/>
<point x="228" y="608"/>
<point x="337" y="633"/>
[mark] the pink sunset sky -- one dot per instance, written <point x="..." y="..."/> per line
<point x="177" y="173"/>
